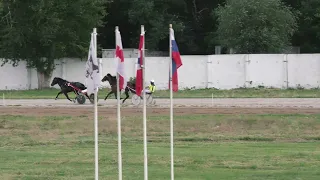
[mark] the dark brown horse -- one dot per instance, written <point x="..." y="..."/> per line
<point x="113" y="81"/>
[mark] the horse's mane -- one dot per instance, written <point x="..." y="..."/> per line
<point x="60" y="79"/>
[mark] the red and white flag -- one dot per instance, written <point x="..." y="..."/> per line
<point x="120" y="62"/>
<point x="139" y="73"/>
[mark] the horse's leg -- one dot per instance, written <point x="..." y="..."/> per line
<point x="127" y="95"/>
<point x="76" y="93"/>
<point x="66" y="94"/>
<point x="86" y="94"/>
<point x="108" y="95"/>
<point x="58" y="95"/>
<point x="115" y="95"/>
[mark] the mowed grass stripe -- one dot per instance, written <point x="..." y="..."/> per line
<point x="206" y="147"/>
<point x="196" y="93"/>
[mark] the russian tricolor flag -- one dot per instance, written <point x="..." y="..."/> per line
<point x="176" y="62"/>
<point x="139" y="73"/>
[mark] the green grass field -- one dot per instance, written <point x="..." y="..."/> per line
<point x="202" y="93"/>
<point x="222" y="147"/>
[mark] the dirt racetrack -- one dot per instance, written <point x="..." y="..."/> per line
<point x="182" y="106"/>
<point x="60" y="111"/>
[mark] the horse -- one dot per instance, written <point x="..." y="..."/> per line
<point x="113" y="81"/>
<point x="65" y="89"/>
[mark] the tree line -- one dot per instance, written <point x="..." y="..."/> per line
<point x="40" y="31"/>
<point x="248" y="26"/>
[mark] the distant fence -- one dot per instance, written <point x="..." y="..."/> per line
<point x="211" y="71"/>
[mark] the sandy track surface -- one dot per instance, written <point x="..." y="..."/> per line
<point x="225" y="102"/>
<point x="182" y="107"/>
<point x="111" y="112"/>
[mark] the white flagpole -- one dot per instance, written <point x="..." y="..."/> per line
<point x="171" y="104"/>
<point x="144" y="109"/>
<point x="119" y="118"/>
<point x="96" y="113"/>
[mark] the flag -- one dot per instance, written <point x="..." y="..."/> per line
<point x="139" y="73"/>
<point x="176" y="62"/>
<point x="120" y="62"/>
<point x="92" y="68"/>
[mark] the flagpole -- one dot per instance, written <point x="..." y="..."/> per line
<point x="119" y="118"/>
<point x="144" y="108"/>
<point x="171" y="103"/>
<point x="96" y="113"/>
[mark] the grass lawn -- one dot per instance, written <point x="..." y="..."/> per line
<point x="224" y="147"/>
<point x="201" y="93"/>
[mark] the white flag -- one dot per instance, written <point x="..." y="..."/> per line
<point x="92" y="68"/>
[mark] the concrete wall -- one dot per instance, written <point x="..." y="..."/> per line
<point x="212" y="71"/>
<point x="14" y="77"/>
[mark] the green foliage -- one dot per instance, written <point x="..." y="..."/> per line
<point x="53" y="29"/>
<point x="309" y="26"/>
<point x="156" y="15"/>
<point x="190" y="19"/>
<point x="196" y="28"/>
<point x="255" y="26"/>
<point x="40" y="31"/>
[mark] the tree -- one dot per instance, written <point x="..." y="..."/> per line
<point x="40" y="31"/>
<point x="255" y="26"/>
<point x="190" y="18"/>
<point x="308" y="35"/>
<point x="156" y="16"/>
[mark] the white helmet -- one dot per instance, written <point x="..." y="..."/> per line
<point x="152" y="80"/>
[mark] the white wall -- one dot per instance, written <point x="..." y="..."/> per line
<point x="226" y="71"/>
<point x="304" y="70"/>
<point x="14" y="77"/>
<point x="212" y="71"/>
<point x="265" y="70"/>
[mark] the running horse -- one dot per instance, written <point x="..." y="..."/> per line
<point x="65" y="89"/>
<point x="113" y="82"/>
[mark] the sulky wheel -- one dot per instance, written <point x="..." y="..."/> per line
<point x="91" y="98"/>
<point x="136" y="99"/>
<point x="149" y="99"/>
<point x="81" y="99"/>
